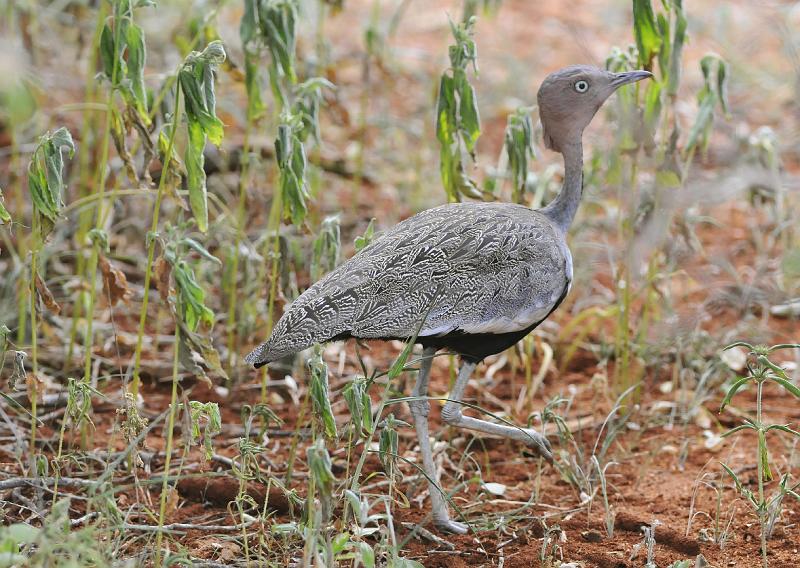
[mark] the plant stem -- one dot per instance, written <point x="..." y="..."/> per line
<point x="100" y="215"/>
<point x="233" y="335"/>
<point x="762" y="509"/>
<point x="274" y="254"/>
<point x="170" y="431"/>
<point x="84" y="176"/>
<point x="137" y="358"/>
<point x="34" y="348"/>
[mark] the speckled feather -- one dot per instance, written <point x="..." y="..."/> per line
<point x="474" y="268"/>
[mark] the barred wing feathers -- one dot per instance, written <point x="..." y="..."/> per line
<point x="472" y="267"/>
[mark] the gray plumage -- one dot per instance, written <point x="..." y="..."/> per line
<point x="478" y="268"/>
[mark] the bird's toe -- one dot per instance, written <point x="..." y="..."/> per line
<point x="540" y="445"/>
<point x="450" y="527"/>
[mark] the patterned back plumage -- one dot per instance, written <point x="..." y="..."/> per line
<point x="471" y="267"/>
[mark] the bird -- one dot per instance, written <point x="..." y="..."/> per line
<point x="472" y="278"/>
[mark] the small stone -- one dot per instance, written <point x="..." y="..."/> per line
<point x="735" y="358"/>
<point x="591" y="536"/>
<point x="495" y="488"/>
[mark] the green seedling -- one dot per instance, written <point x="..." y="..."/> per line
<point x="761" y="370"/>
<point x="46" y="186"/>
<point x="320" y="396"/>
<point x="204" y="422"/>
<point x="326" y="248"/>
<point x="518" y="145"/>
<point x="458" y="124"/>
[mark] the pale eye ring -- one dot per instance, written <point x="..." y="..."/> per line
<point x="581" y="86"/>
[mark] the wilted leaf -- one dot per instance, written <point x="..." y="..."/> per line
<point x="190" y="297"/>
<point x="174" y="171"/>
<point x="196" y="79"/>
<point x="115" y="280"/>
<point x="118" y="135"/>
<point x="292" y="163"/>
<point x="134" y="38"/>
<point x="196" y="175"/>
<point x="46" y="177"/>
<point x="19" y="373"/>
<point x="319" y="464"/>
<point x="161" y="272"/>
<point x="46" y="296"/>
<point x="34" y="386"/>
<point x="198" y="355"/>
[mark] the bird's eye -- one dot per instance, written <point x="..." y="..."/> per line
<point x="581" y="86"/>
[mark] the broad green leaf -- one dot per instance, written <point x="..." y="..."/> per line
<point x="468" y="110"/>
<point x="197" y="82"/>
<point x="196" y="175"/>
<point x="366" y="554"/>
<point x="445" y="111"/>
<point x="648" y="40"/>
<point x="292" y="163"/>
<point x="107" y="51"/>
<point x="190" y="298"/>
<point x="135" y="68"/>
<point x="200" y="249"/>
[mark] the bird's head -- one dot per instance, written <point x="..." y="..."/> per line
<point x="569" y="98"/>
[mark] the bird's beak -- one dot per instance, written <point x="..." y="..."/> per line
<point x="629" y="77"/>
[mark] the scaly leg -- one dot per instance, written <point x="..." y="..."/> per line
<point x="420" y="410"/>
<point x="451" y="414"/>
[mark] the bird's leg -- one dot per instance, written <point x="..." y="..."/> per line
<point x="420" y="409"/>
<point x="451" y="414"/>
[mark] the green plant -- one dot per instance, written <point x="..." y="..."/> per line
<point x="196" y="86"/>
<point x="760" y="371"/>
<point x="458" y="124"/>
<point x="649" y="140"/>
<point x="46" y="186"/>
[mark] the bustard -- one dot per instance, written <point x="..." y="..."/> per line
<point x="482" y="275"/>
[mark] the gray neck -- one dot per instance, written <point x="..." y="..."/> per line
<point x="562" y="209"/>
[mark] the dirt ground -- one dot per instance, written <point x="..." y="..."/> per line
<point x="665" y="472"/>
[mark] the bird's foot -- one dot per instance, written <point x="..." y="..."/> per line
<point x="449" y="526"/>
<point x="538" y="444"/>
